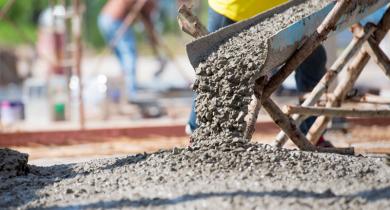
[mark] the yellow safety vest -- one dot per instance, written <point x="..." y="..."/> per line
<point x="242" y="9"/>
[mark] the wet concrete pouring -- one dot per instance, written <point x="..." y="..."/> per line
<point x="221" y="170"/>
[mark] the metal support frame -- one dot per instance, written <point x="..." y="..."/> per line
<point x="364" y="45"/>
<point x="336" y="112"/>
<point x="353" y="71"/>
<point x="287" y="124"/>
<point x="330" y="76"/>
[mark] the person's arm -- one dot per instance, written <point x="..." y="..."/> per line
<point x="188" y="22"/>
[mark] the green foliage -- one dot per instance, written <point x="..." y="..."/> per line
<point x="25" y="12"/>
<point x="19" y="25"/>
<point x="24" y="15"/>
<point x="10" y="36"/>
<point x="91" y="31"/>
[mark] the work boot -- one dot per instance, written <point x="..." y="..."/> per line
<point x="324" y="143"/>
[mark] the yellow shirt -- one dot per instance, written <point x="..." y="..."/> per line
<point x="242" y="9"/>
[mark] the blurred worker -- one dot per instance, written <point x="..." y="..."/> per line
<point x="111" y="19"/>
<point x="225" y="12"/>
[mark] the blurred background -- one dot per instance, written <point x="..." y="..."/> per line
<point x="43" y="71"/>
<point x="63" y="95"/>
<point x="38" y="47"/>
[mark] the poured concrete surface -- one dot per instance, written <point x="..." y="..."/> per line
<point x="238" y="176"/>
<point x="221" y="170"/>
<point x="12" y="163"/>
<point x="226" y="78"/>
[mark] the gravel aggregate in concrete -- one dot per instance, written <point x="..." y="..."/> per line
<point x="12" y="163"/>
<point x="225" y="80"/>
<point x="228" y="176"/>
<point x="221" y="170"/>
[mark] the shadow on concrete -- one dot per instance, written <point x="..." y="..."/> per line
<point x="20" y="190"/>
<point x="369" y="195"/>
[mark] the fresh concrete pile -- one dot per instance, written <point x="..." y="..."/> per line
<point x="12" y="163"/>
<point x="246" y="176"/>
<point x="226" y="78"/>
<point x="221" y="170"/>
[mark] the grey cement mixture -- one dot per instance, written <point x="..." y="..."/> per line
<point x="246" y="176"/>
<point x="225" y="80"/>
<point x="221" y="170"/>
<point x="12" y="163"/>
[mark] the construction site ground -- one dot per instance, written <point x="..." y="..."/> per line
<point x="162" y="172"/>
<point x="115" y="173"/>
<point x="103" y="176"/>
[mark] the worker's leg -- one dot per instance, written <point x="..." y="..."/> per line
<point x="215" y="22"/>
<point x="125" y="50"/>
<point x="308" y="74"/>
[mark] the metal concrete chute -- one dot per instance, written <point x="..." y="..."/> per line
<point x="290" y="46"/>
<point x="283" y="44"/>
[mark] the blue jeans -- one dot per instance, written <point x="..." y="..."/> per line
<point x="125" y="50"/>
<point x="308" y="74"/>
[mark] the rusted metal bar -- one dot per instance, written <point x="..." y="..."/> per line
<point x="308" y="47"/>
<point x="353" y="72"/>
<point x="342" y="89"/>
<point x="76" y="28"/>
<point x="370" y="99"/>
<point x="358" y="99"/>
<point x="336" y="112"/>
<point x="254" y="107"/>
<point x="378" y="56"/>
<point x="189" y="23"/>
<point x="288" y="126"/>
<point x="291" y="129"/>
<point x="330" y="76"/>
